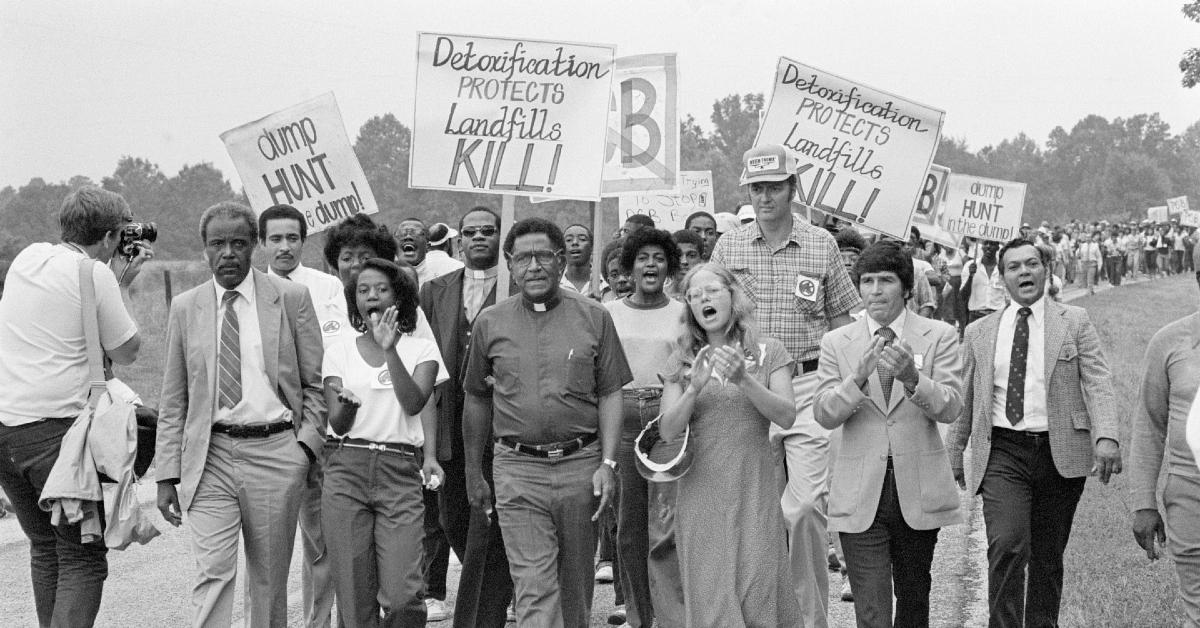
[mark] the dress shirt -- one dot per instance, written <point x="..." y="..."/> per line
<point x="987" y="292"/>
<point x="329" y="300"/>
<point x="260" y="403"/>
<point x="1035" y="419"/>
<point x="436" y="264"/>
<point x="477" y="284"/>
<point x="1090" y="252"/>
<point x="566" y="283"/>
<point x="896" y="325"/>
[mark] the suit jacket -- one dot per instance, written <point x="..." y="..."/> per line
<point x="441" y="299"/>
<point x="292" y="352"/>
<point x="1080" y="404"/>
<point x="907" y="425"/>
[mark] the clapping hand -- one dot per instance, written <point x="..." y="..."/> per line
<point x="869" y="362"/>
<point x="384" y="329"/>
<point x="729" y="363"/>
<point x="897" y="356"/>
<point x="702" y="369"/>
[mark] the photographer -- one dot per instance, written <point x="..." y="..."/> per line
<point x="45" y="370"/>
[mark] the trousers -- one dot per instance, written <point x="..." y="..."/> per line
<point x="1181" y="504"/>
<point x="68" y="575"/>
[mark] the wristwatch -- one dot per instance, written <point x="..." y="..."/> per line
<point x="611" y="463"/>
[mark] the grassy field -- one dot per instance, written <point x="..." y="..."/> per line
<point x="1108" y="580"/>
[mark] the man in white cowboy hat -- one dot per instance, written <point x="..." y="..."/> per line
<point x="795" y="275"/>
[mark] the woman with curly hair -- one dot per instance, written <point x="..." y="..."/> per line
<point x="727" y="384"/>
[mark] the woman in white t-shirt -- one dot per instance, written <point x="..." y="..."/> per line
<point x="381" y="448"/>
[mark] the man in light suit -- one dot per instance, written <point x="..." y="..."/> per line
<point x="451" y="302"/>
<point x="1040" y="414"/>
<point x="240" y="420"/>
<point x="888" y="380"/>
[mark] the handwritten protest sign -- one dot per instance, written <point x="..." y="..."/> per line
<point x="669" y="210"/>
<point x="643" y="129"/>
<point x="510" y="116"/>
<point x="1158" y="214"/>
<point x="1190" y="218"/>
<point x="1177" y="205"/>
<point x="301" y="156"/>
<point x="987" y="209"/>
<point x="863" y="153"/>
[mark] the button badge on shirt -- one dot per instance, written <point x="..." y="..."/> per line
<point x="331" y="328"/>
<point x="806" y="287"/>
<point x="383" y="379"/>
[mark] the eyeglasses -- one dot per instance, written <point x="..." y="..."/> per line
<point x="544" y="258"/>
<point x="486" y="231"/>
<point x="696" y="295"/>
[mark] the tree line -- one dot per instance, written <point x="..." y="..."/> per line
<point x="1098" y="170"/>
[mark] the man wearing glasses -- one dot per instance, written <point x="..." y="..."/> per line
<point x="451" y="303"/>
<point x="543" y="379"/>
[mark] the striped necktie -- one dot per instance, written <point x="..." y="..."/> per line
<point x="229" y="357"/>
<point x="886" y="376"/>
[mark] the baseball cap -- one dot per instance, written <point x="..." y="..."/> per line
<point x="440" y="233"/>
<point x="746" y="212"/>
<point x="767" y="162"/>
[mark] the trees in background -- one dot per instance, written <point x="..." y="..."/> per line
<point x="1099" y="169"/>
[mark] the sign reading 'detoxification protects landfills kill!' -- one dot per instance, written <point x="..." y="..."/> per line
<point x="301" y="156"/>
<point x="986" y="209"/>
<point x="510" y="116"/>
<point x="670" y="209"/>
<point x="862" y="152"/>
<point x="642" y="151"/>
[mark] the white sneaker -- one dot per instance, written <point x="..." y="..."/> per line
<point x="604" y="573"/>
<point x="436" y="610"/>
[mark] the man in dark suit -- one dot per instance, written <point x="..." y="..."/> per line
<point x="241" y="421"/>
<point x="451" y="303"/>
<point x="1040" y="414"/>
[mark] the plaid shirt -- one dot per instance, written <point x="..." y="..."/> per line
<point x="796" y="288"/>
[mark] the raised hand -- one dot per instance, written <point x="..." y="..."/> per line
<point x="384" y="328"/>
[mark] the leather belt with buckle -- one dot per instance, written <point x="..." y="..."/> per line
<point x="551" y="450"/>
<point x="261" y="430"/>
<point x="403" y="449"/>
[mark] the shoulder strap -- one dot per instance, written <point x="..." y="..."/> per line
<point x="91" y="331"/>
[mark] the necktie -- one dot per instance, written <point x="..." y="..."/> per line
<point x="1014" y="406"/>
<point x="886" y="376"/>
<point x="229" y="358"/>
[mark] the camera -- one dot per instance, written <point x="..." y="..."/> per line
<point x="133" y="232"/>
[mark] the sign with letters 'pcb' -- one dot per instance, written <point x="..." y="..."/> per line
<point x="301" y="156"/>
<point x="510" y="116"/>
<point x="643" y="129"/>
<point x="863" y="153"/>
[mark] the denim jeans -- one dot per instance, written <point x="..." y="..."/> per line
<point x="68" y="576"/>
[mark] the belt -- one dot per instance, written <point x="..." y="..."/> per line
<point x="551" y="450"/>
<point x="641" y="393"/>
<point x="403" y="449"/>
<point x="808" y="366"/>
<point x="260" y="430"/>
<point x="1029" y="438"/>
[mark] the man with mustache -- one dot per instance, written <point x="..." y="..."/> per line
<point x="1040" y="415"/>
<point x="242" y="389"/>
<point x="282" y="233"/>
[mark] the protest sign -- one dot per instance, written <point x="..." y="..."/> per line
<point x="642" y="151"/>
<point x="1190" y="218"/>
<point x="1158" y="214"/>
<point x="932" y="193"/>
<point x="301" y="156"/>
<point x="987" y="209"/>
<point x="510" y="116"/>
<point x="863" y="153"/>
<point x="1177" y="205"/>
<point x="669" y="210"/>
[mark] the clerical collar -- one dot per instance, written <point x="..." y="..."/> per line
<point x="547" y="305"/>
<point x="488" y="273"/>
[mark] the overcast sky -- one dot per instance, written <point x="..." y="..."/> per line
<point x="83" y="83"/>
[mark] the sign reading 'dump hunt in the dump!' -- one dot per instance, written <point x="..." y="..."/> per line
<point x="510" y="116"/>
<point x="301" y="156"/>
<point x="862" y="152"/>
<point x="986" y="209"/>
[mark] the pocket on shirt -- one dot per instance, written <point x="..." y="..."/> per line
<point x="747" y="280"/>
<point x="581" y="375"/>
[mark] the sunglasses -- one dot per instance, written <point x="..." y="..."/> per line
<point x="486" y="231"/>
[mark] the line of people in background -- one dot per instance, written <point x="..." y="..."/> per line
<point x="395" y="410"/>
